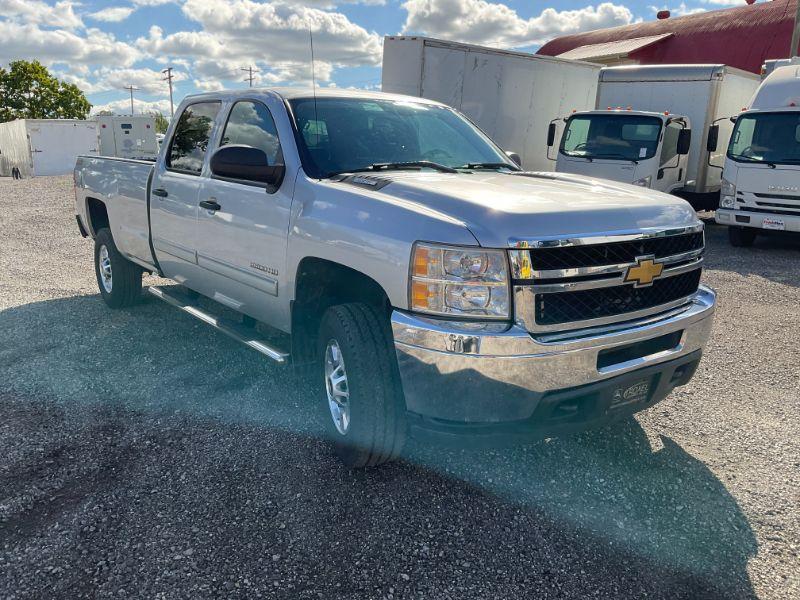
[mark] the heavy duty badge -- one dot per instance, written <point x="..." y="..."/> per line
<point x="644" y="272"/>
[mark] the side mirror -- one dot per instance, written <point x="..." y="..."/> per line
<point x="551" y="135"/>
<point x="515" y="157"/>
<point x="684" y="141"/>
<point x="713" y="138"/>
<point x="245" y="163"/>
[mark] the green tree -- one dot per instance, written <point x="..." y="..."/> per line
<point x="28" y="91"/>
<point x="162" y="122"/>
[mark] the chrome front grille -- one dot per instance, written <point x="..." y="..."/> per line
<point x="563" y="285"/>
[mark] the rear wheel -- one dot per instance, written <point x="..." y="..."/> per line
<point x="741" y="236"/>
<point x="119" y="280"/>
<point x="362" y="398"/>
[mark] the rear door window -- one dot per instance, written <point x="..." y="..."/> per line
<point x="190" y="142"/>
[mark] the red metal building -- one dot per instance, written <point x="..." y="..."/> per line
<point x="742" y="37"/>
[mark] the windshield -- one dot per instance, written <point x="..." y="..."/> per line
<point x="351" y="134"/>
<point x="617" y="136"/>
<point x="767" y="137"/>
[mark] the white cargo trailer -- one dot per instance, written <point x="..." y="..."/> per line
<point x="703" y="93"/>
<point x="45" y="146"/>
<point x="128" y="137"/>
<point x="512" y="96"/>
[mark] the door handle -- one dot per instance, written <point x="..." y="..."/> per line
<point x="210" y="205"/>
<point x="161" y="192"/>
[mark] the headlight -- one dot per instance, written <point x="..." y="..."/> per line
<point x="644" y="181"/>
<point x="465" y="282"/>
<point x="727" y="194"/>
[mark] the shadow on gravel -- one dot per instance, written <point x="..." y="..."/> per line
<point x="774" y="255"/>
<point x="146" y="453"/>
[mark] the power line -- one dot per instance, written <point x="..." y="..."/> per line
<point x="168" y="78"/>
<point x="250" y="70"/>
<point x="131" y="89"/>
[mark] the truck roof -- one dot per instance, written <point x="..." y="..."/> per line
<point x="779" y="90"/>
<point x="292" y="93"/>
<point x="627" y="111"/>
<point x="641" y="73"/>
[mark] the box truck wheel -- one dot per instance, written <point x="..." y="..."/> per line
<point x="119" y="280"/>
<point x="741" y="236"/>
<point x="362" y="398"/>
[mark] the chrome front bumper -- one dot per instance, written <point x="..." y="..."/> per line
<point x="490" y="373"/>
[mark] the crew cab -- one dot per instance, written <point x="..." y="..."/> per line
<point x="393" y="253"/>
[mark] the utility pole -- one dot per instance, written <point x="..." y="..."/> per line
<point x="250" y="70"/>
<point x="131" y="89"/>
<point x="796" y="32"/>
<point x="168" y="78"/>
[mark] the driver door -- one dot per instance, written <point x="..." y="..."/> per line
<point x="241" y="243"/>
<point x="671" y="165"/>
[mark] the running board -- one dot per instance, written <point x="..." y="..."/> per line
<point x="241" y="333"/>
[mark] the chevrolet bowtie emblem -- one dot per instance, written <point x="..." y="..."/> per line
<point x="644" y="272"/>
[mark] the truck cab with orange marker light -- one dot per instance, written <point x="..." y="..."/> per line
<point x="761" y="179"/>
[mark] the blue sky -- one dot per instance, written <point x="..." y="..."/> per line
<point x="103" y="46"/>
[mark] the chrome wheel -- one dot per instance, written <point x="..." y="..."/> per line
<point x="105" y="269"/>
<point x="336" y="387"/>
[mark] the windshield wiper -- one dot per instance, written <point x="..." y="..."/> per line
<point x="621" y="156"/>
<point x="489" y="165"/>
<point x="742" y="158"/>
<point x="414" y="164"/>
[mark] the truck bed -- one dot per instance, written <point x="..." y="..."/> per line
<point x="122" y="185"/>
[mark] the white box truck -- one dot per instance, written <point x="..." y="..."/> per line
<point x="128" y="137"/>
<point x="45" y="146"/>
<point x="635" y="134"/>
<point x="761" y="180"/>
<point x="512" y="96"/>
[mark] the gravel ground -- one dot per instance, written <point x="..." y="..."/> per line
<point x="145" y="455"/>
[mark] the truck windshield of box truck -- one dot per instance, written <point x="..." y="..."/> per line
<point x="772" y="138"/>
<point x="621" y="137"/>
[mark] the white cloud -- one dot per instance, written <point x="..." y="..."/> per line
<point x="482" y="22"/>
<point x="249" y="32"/>
<point x="147" y="80"/>
<point x="59" y="46"/>
<point x="114" y="14"/>
<point x="680" y="10"/>
<point x="36" y="12"/>
<point x="123" y="106"/>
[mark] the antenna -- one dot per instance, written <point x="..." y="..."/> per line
<point x="314" y="85"/>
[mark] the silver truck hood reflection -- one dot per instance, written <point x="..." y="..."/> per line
<point x="497" y="207"/>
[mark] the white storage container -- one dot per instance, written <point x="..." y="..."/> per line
<point x="45" y="146"/>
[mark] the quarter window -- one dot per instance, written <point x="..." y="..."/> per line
<point x="190" y="142"/>
<point x="251" y="124"/>
<point x="669" y="149"/>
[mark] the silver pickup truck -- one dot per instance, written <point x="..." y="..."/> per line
<point x="388" y="247"/>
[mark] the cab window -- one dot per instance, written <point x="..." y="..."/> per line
<point x="189" y="144"/>
<point x="669" y="148"/>
<point x="251" y="124"/>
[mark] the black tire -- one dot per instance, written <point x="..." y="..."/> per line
<point x="741" y="237"/>
<point x="126" y="277"/>
<point x="377" y="424"/>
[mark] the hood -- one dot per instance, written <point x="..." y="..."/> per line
<point x="498" y="207"/>
<point x="623" y="171"/>
<point x="763" y="179"/>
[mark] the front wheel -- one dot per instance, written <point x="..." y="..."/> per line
<point x="741" y="237"/>
<point x="363" y="399"/>
<point x="119" y="280"/>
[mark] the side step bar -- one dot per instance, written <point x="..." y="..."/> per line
<point x="245" y="335"/>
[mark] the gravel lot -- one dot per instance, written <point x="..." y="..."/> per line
<point x="145" y="455"/>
